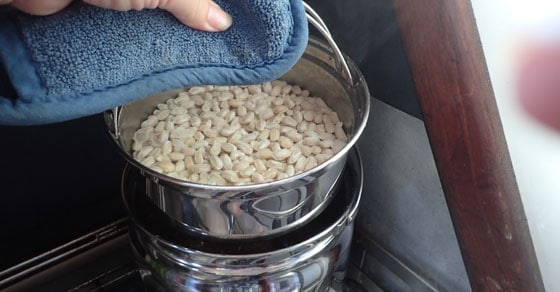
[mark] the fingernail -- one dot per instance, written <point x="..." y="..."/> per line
<point x="217" y="18"/>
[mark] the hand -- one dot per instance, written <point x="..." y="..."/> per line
<point x="199" y="14"/>
<point x="539" y="83"/>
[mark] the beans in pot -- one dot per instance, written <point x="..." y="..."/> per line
<point x="237" y="135"/>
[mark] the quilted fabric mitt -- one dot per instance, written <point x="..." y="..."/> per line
<point x="84" y="59"/>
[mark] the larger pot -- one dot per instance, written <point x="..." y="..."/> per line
<point x="308" y="259"/>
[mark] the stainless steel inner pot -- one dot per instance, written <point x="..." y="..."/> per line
<point x="267" y="209"/>
<point x="311" y="258"/>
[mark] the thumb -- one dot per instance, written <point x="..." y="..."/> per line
<point x="539" y="85"/>
<point x="199" y="14"/>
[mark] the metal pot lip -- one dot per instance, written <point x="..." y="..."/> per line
<point x="347" y="217"/>
<point x="359" y="81"/>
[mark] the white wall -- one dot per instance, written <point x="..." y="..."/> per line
<point x="535" y="150"/>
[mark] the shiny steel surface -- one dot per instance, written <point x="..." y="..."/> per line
<point x="312" y="258"/>
<point x="258" y="210"/>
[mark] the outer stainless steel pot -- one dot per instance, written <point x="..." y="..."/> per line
<point x="311" y="258"/>
<point x="267" y="209"/>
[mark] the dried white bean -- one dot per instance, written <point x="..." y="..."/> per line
<point x="142" y="135"/>
<point x="237" y="166"/>
<point x="236" y="137"/>
<point x="316" y="150"/>
<point x="167" y="147"/>
<point x="189" y="162"/>
<point x="216" y="162"/>
<point x="196" y="90"/>
<point x="311" y="163"/>
<point x="273" y="164"/>
<point x="296" y="154"/>
<point x="339" y="133"/>
<point x="216" y="149"/>
<point x="228" y="130"/>
<point x="285" y="142"/>
<point x="290" y="170"/>
<point x="226" y="160"/>
<point x="150" y="122"/>
<point x="180" y="166"/>
<point x="198" y="157"/>
<point x="236" y="155"/>
<point x="294" y="135"/>
<point x="264" y="153"/>
<point x="167" y="166"/>
<point x="230" y="176"/>
<point x="310" y="141"/>
<point x="305" y="150"/>
<point x="257" y="177"/>
<point x="162" y="115"/>
<point x="199" y="136"/>
<point x="325" y="144"/>
<point x="281" y="154"/>
<point x="182" y="133"/>
<point x="228" y="147"/>
<point x="175" y="156"/>
<point x="289" y="121"/>
<point x="270" y="174"/>
<point x="275" y="91"/>
<point x="264" y="134"/>
<point x="144" y="151"/>
<point x="216" y="179"/>
<point x="201" y="167"/>
<point x="260" y="165"/>
<point x="210" y="133"/>
<point x="300" y="164"/>
<point x="247" y="172"/>
<point x="281" y="175"/>
<point x="274" y="134"/>
<point x="263" y="145"/>
<point x="149" y="161"/>
<point x="244" y="147"/>
<point x="203" y="178"/>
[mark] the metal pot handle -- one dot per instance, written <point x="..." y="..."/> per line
<point x="314" y="18"/>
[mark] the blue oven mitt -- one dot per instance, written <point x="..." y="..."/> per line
<point x="84" y="60"/>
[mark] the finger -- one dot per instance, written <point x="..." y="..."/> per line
<point x="199" y="14"/>
<point x="539" y="85"/>
<point x="40" y="7"/>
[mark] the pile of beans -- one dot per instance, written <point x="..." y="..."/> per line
<point x="236" y="135"/>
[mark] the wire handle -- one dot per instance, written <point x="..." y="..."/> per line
<point x="314" y="18"/>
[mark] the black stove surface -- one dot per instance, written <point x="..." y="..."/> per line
<point x="59" y="181"/>
<point x="103" y="261"/>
